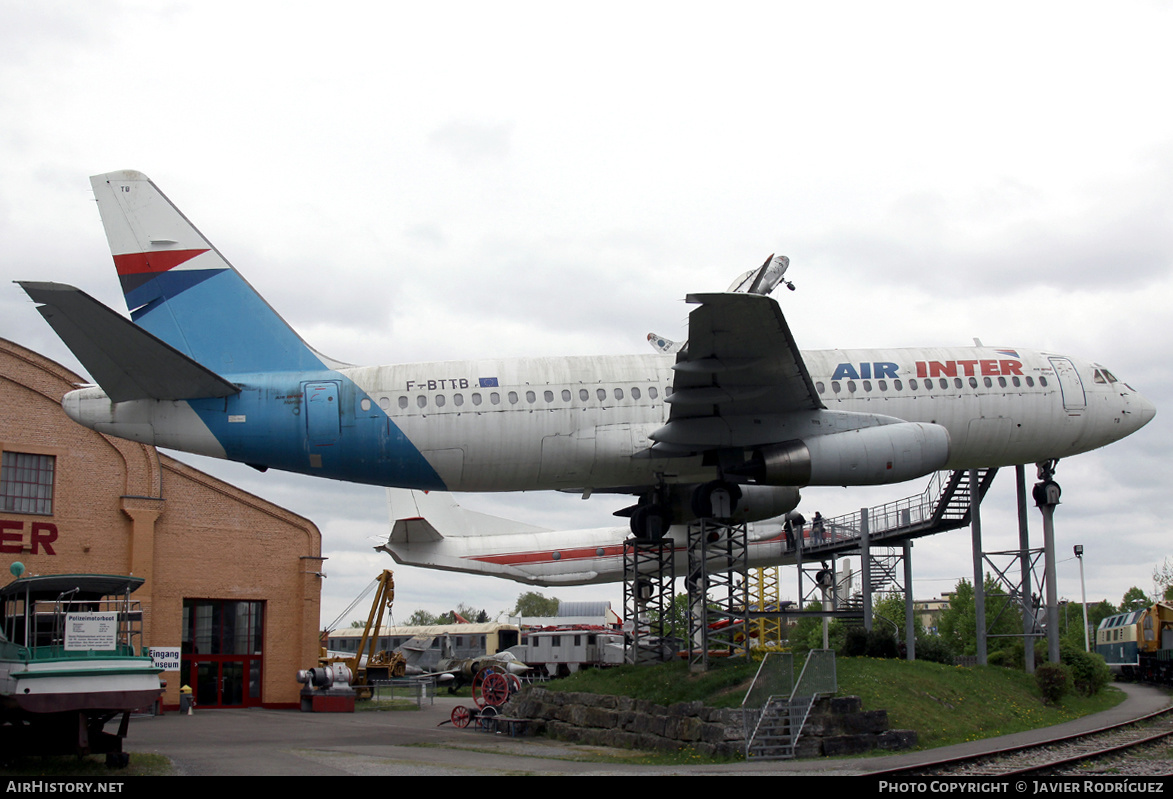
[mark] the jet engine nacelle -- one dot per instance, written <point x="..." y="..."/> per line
<point x="754" y="503"/>
<point x="890" y="453"/>
<point x="765" y="502"/>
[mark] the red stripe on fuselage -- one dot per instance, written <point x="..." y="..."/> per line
<point x="517" y="558"/>
<point x="137" y="263"/>
<point x="583" y="553"/>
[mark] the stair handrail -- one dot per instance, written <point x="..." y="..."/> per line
<point x="817" y="678"/>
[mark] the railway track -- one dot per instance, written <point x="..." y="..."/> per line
<point x="1143" y="747"/>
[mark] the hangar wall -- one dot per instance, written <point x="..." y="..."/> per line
<point x="231" y="579"/>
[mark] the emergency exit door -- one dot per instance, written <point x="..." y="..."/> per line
<point x="322" y="414"/>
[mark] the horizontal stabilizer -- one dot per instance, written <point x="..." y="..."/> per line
<point x="420" y="516"/>
<point x="413" y="531"/>
<point x="126" y="361"/>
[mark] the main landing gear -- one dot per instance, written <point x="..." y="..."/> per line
<point x="661" y="508"/>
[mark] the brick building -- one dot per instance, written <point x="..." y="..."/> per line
<point x="231" y="580"/>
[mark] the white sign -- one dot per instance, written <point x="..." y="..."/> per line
<point x="85" y="631"/>
<point x="165" y="657"/>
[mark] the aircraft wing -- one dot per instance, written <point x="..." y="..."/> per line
<point x="741" y="362"/>
<point x="126" y="361"/>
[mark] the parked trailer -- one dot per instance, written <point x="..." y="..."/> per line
<point x="561" y="651"/>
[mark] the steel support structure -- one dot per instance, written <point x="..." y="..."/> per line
<point x="1020" y="574"/>
<point x="1046" y="495"/>
<point x="1022" y="592"/>
<point x="649" y="575"/>
<point x="718" y="591"/>
<point x="765" y="596"/>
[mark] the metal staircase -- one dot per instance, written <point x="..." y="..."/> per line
<point x="943" y="505"/>
<point x="776" y="706"/>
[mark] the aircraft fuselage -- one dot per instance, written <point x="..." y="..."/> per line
<point x="583" y="422"/>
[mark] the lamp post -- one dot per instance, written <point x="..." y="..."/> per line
<point x="1083" y="596"/>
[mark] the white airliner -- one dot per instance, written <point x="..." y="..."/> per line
<point x="429" y="529"/>
<point x="736" y="415"/>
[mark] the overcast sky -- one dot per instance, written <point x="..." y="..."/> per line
<point x="413" y="181"/>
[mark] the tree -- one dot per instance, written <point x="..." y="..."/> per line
<point x="1134" y="599"/>
<point x="1163" y="579"/>
<point x="676" y="621"/>
<point x="807" y="633"/>
<point x="468" y="613"/>
<point x="958" y="623"/>
<point x="422" y="618"/>
<point x="531" y="604"/>
<point x="1071" y="621"/>
<point x="889" y="611"/>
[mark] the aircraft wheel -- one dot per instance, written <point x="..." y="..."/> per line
<point x="461" y="716"/>
<point x="650" y="522"/>
<point x="715" y="500"/>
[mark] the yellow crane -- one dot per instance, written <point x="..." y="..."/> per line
<point x="379" y="665"/>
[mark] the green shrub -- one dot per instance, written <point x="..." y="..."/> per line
<point x="1089" y="672"/>
<point x="855" y="643"/>
<point x="881" y="644"/>
<point x="1054" y="681"/>
<point x="934" y="649"/>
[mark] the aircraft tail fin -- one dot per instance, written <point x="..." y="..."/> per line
<point x="126" y="361"/>
<point x="422" y="516"/>
<point x="182" y="290"/>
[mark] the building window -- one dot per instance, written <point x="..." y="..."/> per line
<point x="26" y="483"/>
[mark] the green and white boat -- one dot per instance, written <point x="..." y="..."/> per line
<point x="71" y="660"/>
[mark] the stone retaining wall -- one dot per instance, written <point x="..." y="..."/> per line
<point x="836" y="726"/>
<point x="629" y="723"/>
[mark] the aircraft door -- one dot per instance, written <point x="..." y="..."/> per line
<point x="322" y="412"/>
<point x="1070" y="385"/>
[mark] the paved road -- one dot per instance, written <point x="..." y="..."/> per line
<point x="289" y="743"/>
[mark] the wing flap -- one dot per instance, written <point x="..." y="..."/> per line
<point x="126" y="361"/>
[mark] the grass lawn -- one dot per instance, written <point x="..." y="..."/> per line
<point x="943" y="704"/>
